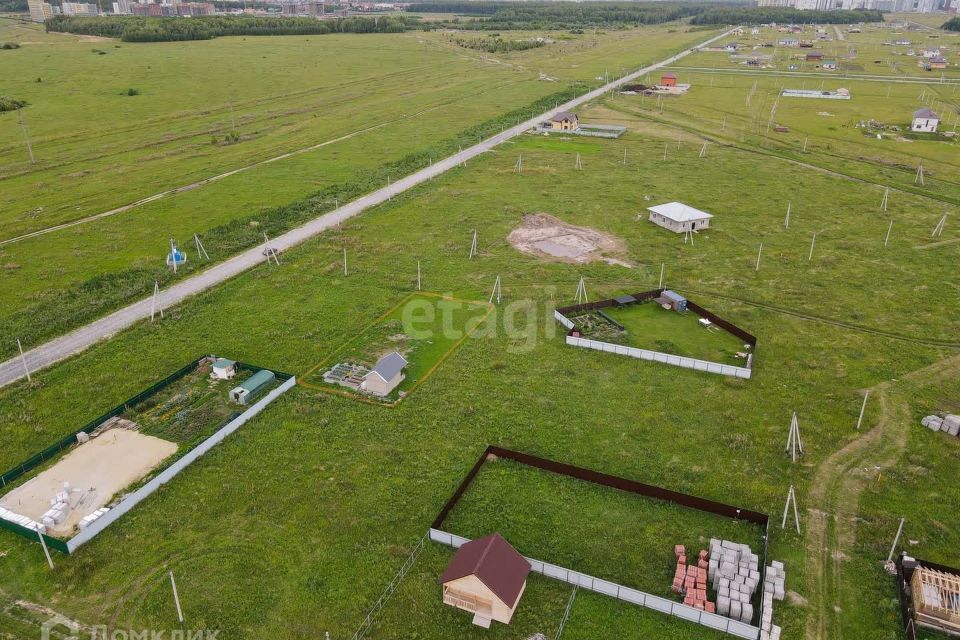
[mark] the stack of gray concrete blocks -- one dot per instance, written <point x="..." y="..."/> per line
<point x="773" y="589"/>
<point x="949" y="424"/>
<point x="733" y="571"/>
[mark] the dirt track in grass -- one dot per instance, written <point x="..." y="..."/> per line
<point x="831" y="525"/>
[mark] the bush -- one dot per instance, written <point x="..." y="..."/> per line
<point x="133" y="91"/>
<point x="9" y="45"/>
<point x="11" y="104"/>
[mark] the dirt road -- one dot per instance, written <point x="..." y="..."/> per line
<point x="833" y="502"/>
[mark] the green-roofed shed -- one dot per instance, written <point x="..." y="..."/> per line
<point x="252" y="386"/>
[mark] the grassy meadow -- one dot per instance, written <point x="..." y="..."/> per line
<point x="410" y="97"/>
<point x="306" y="513"/>
<point x="295" y="524"/>
<point x="610" y="534"/>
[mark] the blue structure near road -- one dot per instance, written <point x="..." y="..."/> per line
<point x="176" y="257"/>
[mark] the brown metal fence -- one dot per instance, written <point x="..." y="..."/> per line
<point x="615" y="482"/>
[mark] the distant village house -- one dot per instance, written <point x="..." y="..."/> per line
<point x="565" y="121"/>
<point x="679" y="218"/>
<point x="925" y="121"/>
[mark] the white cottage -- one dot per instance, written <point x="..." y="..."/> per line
<point x="385" y="375"/>
<point x="223" y="369"/>
<point x="925" y="121"/>
<point x="679" y="218"/>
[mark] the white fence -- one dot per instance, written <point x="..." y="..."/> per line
<point x="811" y="93"/>
<point x="666" y="358"/>
<point x="620" y="592"/>
<point x="562" y="319"/>
<point x="655" y="356"/>
<point x="168" y="474"/>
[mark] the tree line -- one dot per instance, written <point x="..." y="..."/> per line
<point x="783" y="15"/>
<point x="953" y="24"/>
<point x="495" y="16"/>
<point x="150" y="29"/>
<point x="13" y="6"/>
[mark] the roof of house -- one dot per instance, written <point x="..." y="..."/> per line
<point x="938" y="60"/>
<point x="679" y="212"/>
<point x="815" y="54"/>
<point x="494" y="562"/>
<point x="925" y="113"/>
<point x="223" y="363"/>
<point x="388" y="366"/>
<point x="625" y="299"/>
<point x="564" y="115"/>
<point x="669" y="74"/>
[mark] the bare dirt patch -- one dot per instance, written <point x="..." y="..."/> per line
<point x="542" y="235"/>
<point x="98" y="470"/>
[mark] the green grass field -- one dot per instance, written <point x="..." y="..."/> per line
<point x="397" y="94"/>
<point x="305" y="515"/>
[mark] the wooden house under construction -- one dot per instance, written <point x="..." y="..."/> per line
<point x="936" y="599"/>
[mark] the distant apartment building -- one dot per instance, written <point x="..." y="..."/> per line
<point x="194" y="9"/>
<point x="915" y="6"/>
<point x="181" y="9"/>
<point x="121" y="7"/>
<point x="80" y="9"/>
<point x="305" y="9"/>
<point x="40" y="10"/>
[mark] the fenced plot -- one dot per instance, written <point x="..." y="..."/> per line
<point x="640" y="328"/>
<point x="104" y="467"/>
<point x="575" y="529"/>
<point x="146" y="440"/>
<point x="425" y="328"/>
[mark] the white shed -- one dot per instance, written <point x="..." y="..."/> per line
<point x="385" y="375"/>
<point x="679" y="217"/>
<point x="223" y="369"/>
<point x="925" y="121"/>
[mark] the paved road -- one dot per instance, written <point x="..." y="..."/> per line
<point x="82" y="338"/>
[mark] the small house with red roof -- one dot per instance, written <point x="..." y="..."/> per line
<point x="486" y="577"/>
<point x="669" y="79"/>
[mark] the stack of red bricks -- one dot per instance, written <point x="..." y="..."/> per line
<point x="690" y="580"/>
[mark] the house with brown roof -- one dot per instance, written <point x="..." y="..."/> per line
<point x="565" y="121"/>
<point x="486" y="577"/>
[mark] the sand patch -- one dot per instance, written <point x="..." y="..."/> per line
<point x="547" y="237"/>
<point x="96" y="471"/>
